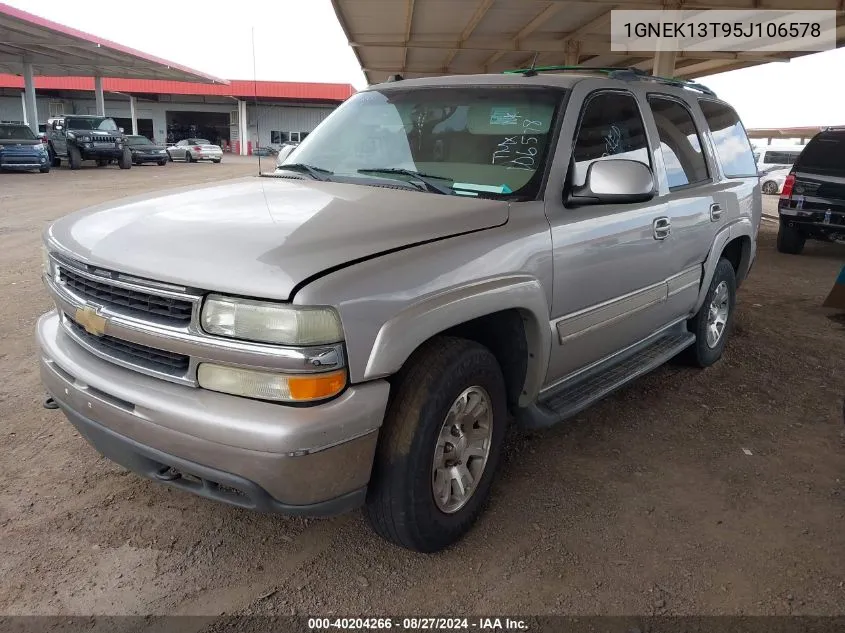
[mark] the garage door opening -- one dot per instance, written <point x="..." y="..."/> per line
<point x="145" y="126"/>
<point x="213" y="126"/>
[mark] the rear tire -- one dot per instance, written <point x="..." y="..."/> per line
<point x="125" y="161"/>
<point x="74" y="158"/>
<point x="450" y="390"/>
<point x="790" y="241"/>
<point x="711" y="325"/>
<point x="216" y="161"/>
<point x="189" y="158"/>
<point x="55" y="161"/>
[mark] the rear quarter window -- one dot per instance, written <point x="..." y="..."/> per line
<point x="825" y="154"/>
<point x="732" y="146"/>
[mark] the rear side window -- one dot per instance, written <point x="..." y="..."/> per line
<point x="785" y="158"/>
<point x="680" y="142"/>
<point x="825" y="153"/>
<point x="732" y="146"/>
<point x="611" y="127"/>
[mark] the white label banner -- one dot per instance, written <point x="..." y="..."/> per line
<point x="716" y="30"/>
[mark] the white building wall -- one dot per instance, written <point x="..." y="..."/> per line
<point x="283" y="118"/>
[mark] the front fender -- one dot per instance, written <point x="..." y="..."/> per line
<point x="407" y="330"/>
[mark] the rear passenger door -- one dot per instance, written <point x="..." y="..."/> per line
<point x="687" y="185"/>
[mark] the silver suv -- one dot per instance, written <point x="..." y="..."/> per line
<point x="439" y="259"/>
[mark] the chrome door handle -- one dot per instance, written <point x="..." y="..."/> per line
<point x="715" y="211"/>
<point x="661" y="228"/>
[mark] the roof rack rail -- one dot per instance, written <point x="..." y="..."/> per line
<point x="623" y="74"/>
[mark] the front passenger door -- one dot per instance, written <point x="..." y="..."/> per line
<point x="610" y="260"/>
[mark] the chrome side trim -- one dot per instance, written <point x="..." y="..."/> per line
<point x="594" y="317"/>
<point x="684" y="280"/>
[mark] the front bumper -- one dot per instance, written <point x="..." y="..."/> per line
<point x="94" y="153"/>
<point x="244" y="452"/>
<point x="148" y="158"/>
<point x="23" y="161"/>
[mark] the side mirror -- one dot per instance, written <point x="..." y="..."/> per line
<point x="120" y="129"/>
<point x="614" y="181"/>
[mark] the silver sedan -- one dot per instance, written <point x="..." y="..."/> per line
<point x="194" y="149"/>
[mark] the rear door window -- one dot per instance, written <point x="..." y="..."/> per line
<point x="732" y="145"/>
<point x="680" y="142"/>
<point x="611" y="127"/>
<point x="824" y="154"/>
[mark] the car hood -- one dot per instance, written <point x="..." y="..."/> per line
<point x="261" y="237"/>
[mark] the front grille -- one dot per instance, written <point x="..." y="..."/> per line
<point x="98" y="138"/>
<point x="158" y="360"/>
<point x="172" y="310"/>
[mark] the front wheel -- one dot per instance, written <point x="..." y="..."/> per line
<point x="712" y="323"/>
<point x="125" y="161"/>
<point x="439" y="446"/>
<point x="74" y="158"/>
<point x="162" y="162"/>
<point x="45" y="170"/>
<point x="790" y="240"/>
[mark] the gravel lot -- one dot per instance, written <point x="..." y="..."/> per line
<point x="645" y="504"/>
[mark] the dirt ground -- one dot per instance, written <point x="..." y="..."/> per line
<point x="645" y="504"/>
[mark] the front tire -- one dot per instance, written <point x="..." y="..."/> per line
<point x="439" y="446"/>
<point x="125" y="161"/>
<point x="74" y="158"/>
<point x="162" y="162"/>
<point x="45" y="170"/>
<point x="713" y="322"/>
<point x="790" y="240"/>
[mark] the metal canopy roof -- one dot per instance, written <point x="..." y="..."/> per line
<point x="57" y="50"/>
<point x="418" y="38"/>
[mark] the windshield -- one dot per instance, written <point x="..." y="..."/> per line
<point x="103" y="124"/>
<point x="138" y="140"/>
<point x="198" y="141"/>
<point x="488" y="141"/>
<point x="16" y="132"/>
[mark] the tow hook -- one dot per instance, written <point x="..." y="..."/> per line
<point x="168" y="474"/>
<point x="49" y="403"/>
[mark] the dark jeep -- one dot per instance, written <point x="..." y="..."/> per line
<point x="78" y="137"/>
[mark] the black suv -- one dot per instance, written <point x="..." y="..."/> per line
<point x="78" y="137"/>
<point x="812" y="202"/>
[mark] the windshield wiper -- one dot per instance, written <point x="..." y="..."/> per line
<point x="427" y="179"/>
<point x="317" y="173"/>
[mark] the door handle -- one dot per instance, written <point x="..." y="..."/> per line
<point x="715" y="211"/>
<point x="661" y="228"/>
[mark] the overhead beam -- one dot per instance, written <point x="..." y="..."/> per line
<point x="478" y="15"/>
<point x="538" y="21"/>
<point x="409" y="21"/>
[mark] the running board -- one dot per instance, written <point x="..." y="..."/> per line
<point x="573" y="397"/>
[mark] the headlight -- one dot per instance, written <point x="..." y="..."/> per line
<point x="270" y="386"/>
<point x="267" y="322"/>
<point x="85" y="139"/>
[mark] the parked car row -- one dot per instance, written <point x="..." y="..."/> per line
<point x="73" y="139"/>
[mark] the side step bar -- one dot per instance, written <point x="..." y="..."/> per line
<point x="575" y="396"/>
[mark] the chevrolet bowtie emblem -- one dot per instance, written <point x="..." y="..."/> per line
<point x="91" y="321"/>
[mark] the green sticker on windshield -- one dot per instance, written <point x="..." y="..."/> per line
<point x="484" y="188"/>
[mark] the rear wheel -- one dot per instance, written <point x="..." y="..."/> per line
<point x="216" y="160"/>
<point x="74" y="158"/>
<point x="439" y="446"/>
<point x="125" y="161"/>
<point x="189" y="158"/>
<point x="790" y="240"/>
<point x="712" y="324"/>
<point x="55" y="161"/>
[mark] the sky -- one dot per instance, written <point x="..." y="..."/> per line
<point x="301" y="40"/>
